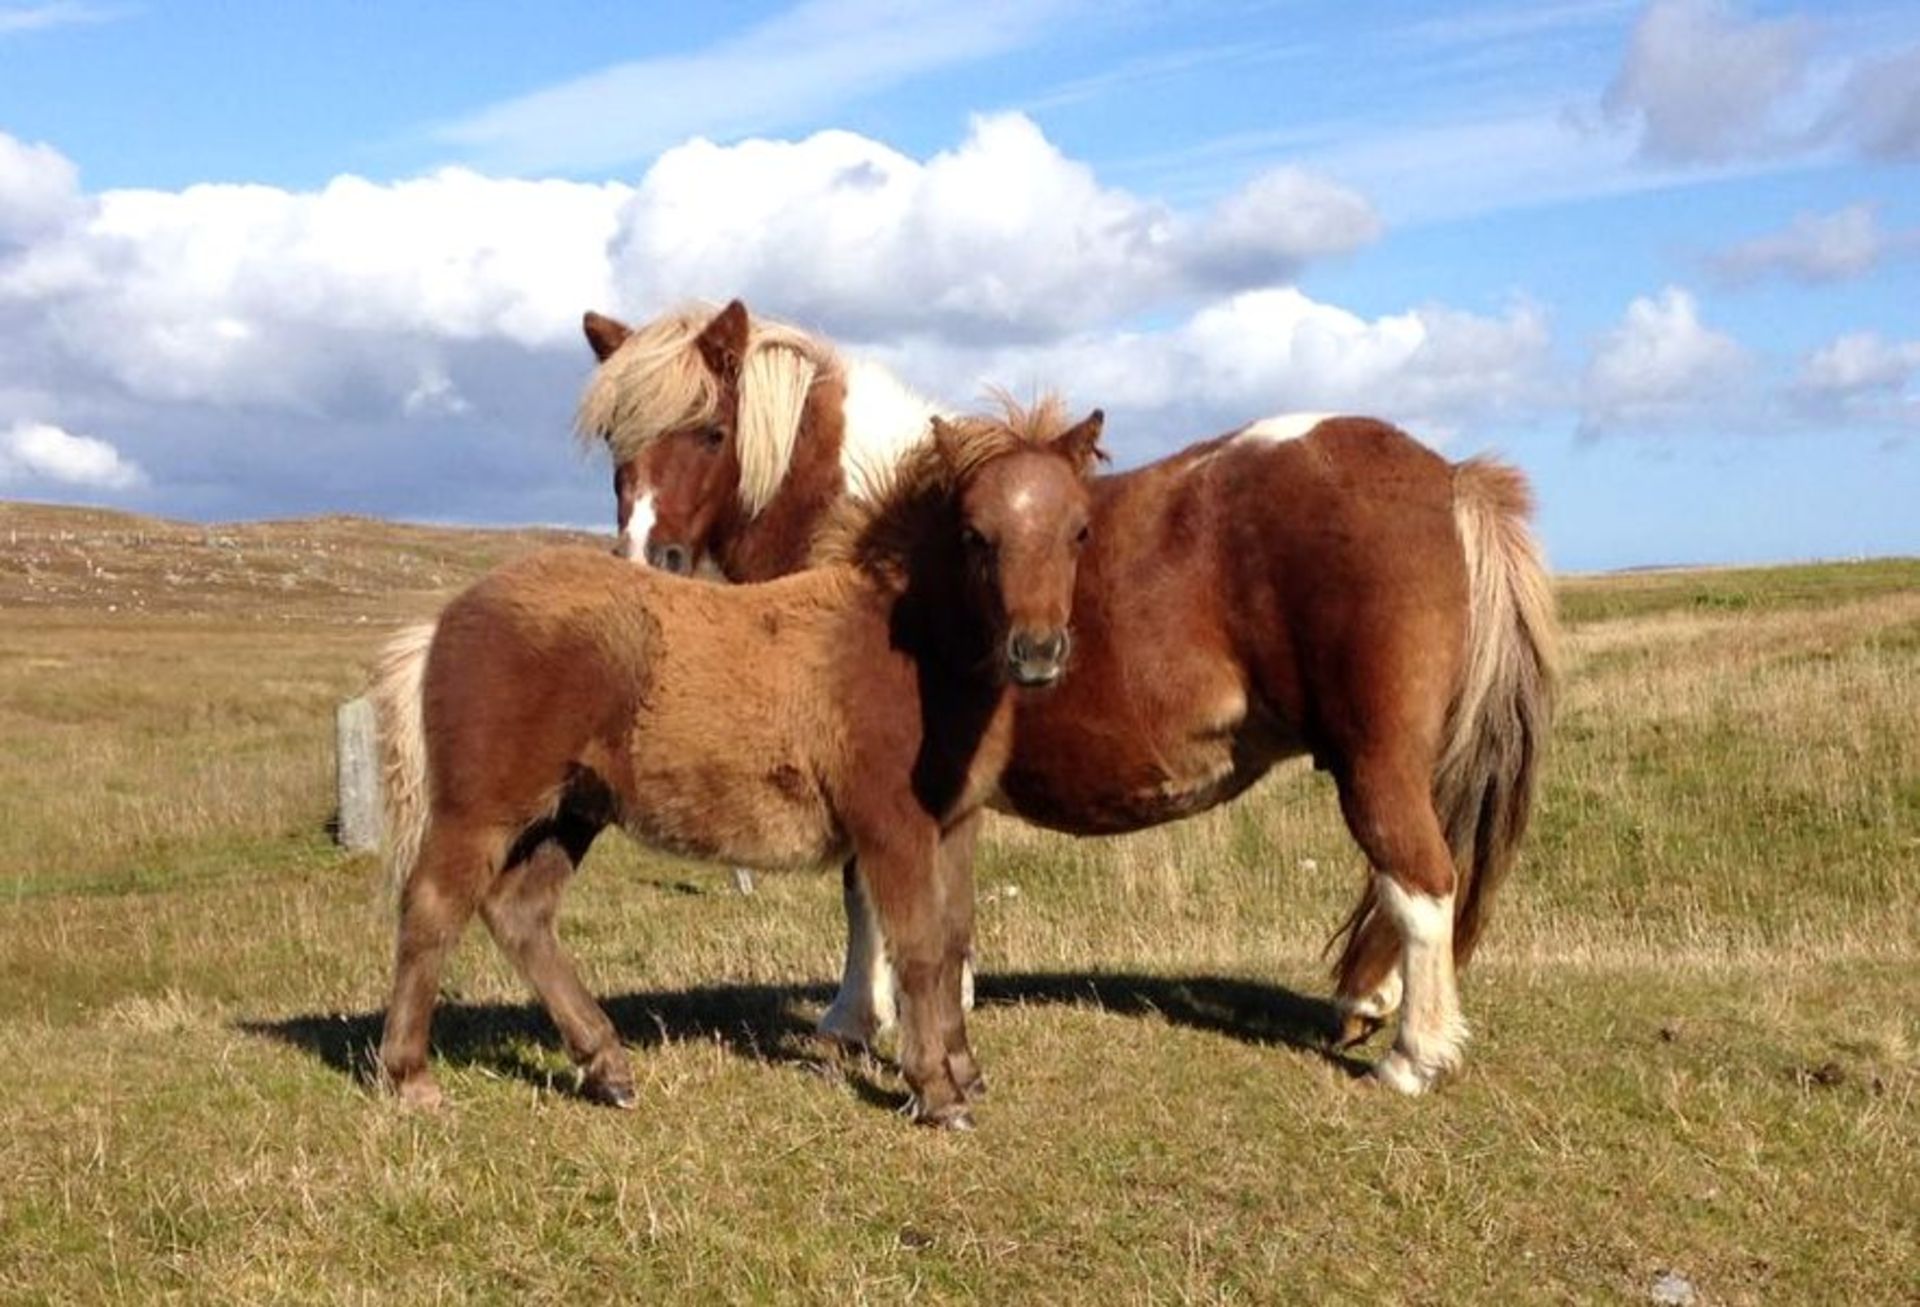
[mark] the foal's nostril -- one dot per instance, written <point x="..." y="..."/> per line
<point x="1039" y="656"/>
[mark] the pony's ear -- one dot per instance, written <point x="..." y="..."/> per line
<point x="1080" y="443"/>
<point x="946" y="440"/>
<point x="604" y="334"/>
<point x="724" y="342"/>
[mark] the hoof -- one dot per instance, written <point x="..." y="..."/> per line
<point x="848" y="1030"/>
<point x="610" y="1094"/>
<point x="954" y="1116"/>
<point x="1397" y="1072"/>
<point x="418" y="1093"/>
<point x="1355" y="1028"/>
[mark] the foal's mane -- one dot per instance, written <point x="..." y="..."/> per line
<point x="657" y="382"/>
<point x="913" y="495"/>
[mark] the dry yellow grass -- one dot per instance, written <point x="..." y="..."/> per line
<point x="1696" y="1048"/>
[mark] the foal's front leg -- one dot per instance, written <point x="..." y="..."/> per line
<point x="865" y="1006"/>
<point x="907" y="884"/>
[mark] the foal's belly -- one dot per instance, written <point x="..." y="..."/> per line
<point x="769" y="816"/>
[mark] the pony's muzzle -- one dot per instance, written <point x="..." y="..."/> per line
<point x="1036" y="659"/>
<point x="677" y="559"/>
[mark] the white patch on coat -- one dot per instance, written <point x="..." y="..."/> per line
<point x="885" y="418"/>
<point x="1285" y="426"/>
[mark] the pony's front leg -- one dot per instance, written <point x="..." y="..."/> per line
<point x="906" y="882"/>
<point x="864" y="1008"/>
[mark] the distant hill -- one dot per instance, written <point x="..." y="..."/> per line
<point x="335" y="568"/>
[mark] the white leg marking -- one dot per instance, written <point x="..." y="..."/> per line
<point x="966" y="983"/>
<point x="1286" y="426"/>
<point x="1432" y="1031"/>
<point x="864" y="1007"/>
<point x="633" y="536"/>
<point x="1382" y="1003"/>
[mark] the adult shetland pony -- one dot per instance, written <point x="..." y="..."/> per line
<point x="1319" y="585"/>
<point x="861" y="709"/>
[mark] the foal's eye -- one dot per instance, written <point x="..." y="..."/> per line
<point x="712" y="436"/>
<point x="972" y="540"/>
<point x="1083" y="535"/>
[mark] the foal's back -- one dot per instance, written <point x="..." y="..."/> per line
<point x="704" y="713"/>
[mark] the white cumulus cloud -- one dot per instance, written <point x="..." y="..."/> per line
<point x="1707" y="82"/>
<point x="39" y="190"/>
<point x="1659" y="363"/>
<point x="38" y="450"/>
<point x="1002" y="235"/>
<point x="1861" y="377"/>
<point x="1814" y="247"/>
<point x="1434" y="370"/>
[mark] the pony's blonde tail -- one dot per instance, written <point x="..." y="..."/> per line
<point x="398" y="676"/>
<point x="1497" y="730"/>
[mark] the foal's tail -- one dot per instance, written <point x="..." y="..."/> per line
<point x="1497" y="729"/>
<point x="398" y="677"/>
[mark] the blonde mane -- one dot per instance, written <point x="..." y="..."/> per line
<point x="657" y="382"/>
<point x="877" y="534"/>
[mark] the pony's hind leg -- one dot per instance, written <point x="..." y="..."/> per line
<point x="1390" y="812"/>
<point x="519" y="909"/>
<point x="435" y="904"/>
<point x="1367" y="986"/>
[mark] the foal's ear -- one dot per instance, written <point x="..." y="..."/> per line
<point x="724" y="342"/>
<point x="946" y="440"/>
<point x="604" y="334"/>
<point x="1080" y="444"/>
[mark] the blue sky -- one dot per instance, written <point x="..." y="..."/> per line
<point x="263" y="260"/>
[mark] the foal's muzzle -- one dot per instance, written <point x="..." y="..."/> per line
<point x="1036" y="659"/>
<point x="677" y="559"/>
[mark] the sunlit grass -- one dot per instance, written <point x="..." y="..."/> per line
<point x="1696" y="1044"/>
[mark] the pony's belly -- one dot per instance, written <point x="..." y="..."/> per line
<point x="1103" y="787"/>
<point x="771" y="819"/>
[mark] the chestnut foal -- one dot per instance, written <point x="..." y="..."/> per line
<point x="1315" y="585"/>
<point x="862" y="709"/>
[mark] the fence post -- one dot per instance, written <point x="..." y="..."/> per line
<point x="357" y="776"/>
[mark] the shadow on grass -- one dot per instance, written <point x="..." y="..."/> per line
<point x="774" y="1024"/>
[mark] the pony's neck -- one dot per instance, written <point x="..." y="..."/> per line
<point x="885" y="420"/>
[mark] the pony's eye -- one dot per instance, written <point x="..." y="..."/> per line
<point x="1083" y="535"/>
<point x="973" y="540"/>
<point x="712" y="436"/>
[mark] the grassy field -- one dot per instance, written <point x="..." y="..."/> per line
<point x="1697" y="1018"/>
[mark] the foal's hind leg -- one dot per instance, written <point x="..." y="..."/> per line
<point x="1389" y="809"/>
<point x="438" y="898"/>
<point x="519" y="909"/>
